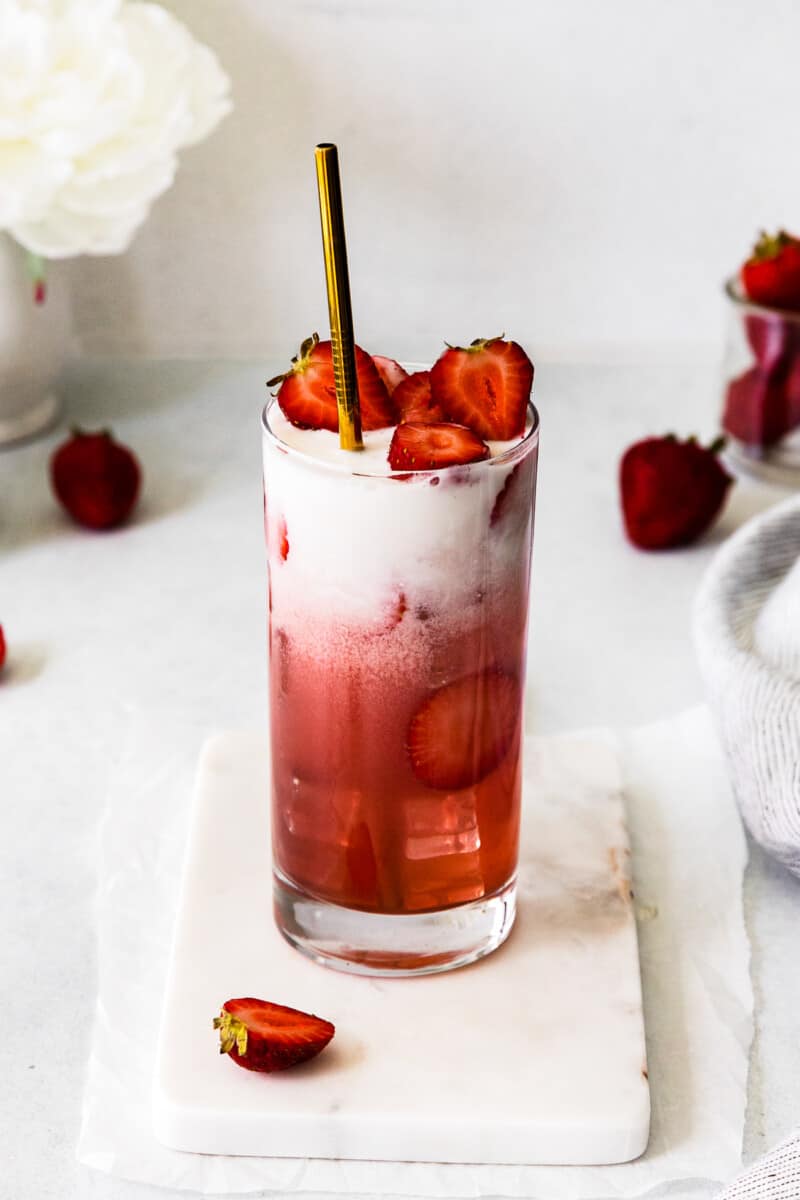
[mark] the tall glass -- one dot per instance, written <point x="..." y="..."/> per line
<point x="398" y="607"/>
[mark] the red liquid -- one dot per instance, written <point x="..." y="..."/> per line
<point x="368" y="720"/>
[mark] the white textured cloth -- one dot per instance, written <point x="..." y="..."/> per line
<point x="747" y="632"/>
<point x="776" y="631"/>
<point x="776" y="1176"/>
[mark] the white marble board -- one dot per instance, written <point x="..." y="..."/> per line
<point x="535" y="1055"/>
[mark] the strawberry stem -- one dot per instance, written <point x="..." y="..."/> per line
<point x="300" y="360"/>
<point x="477" y="344"/>
<point x="232" y="1032"/>
<point x="770" y="245"/>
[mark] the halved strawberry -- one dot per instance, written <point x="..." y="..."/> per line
<point x="413" y="399"/>
<point x="486" y="385"/>
<point x="390" y="372"/>
<point x="361" y="861"/>
<point x="418" y="447"/>
<point x="771" y="339"/>
<point x="792" y="393"/>
<point x="307" y="393"/>
<point x="757" y="410"/>
<point x="269" y="1037"/>
<point x="463" y="731"/>
<point x="515" y="498"/>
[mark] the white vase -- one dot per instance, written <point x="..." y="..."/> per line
<point x="34" y="344"/>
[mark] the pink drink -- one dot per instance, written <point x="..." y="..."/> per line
<point x="397" y="631"/>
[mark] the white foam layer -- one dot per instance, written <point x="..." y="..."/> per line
<point x="359" y="538"/>
<point x="323" y="445"/>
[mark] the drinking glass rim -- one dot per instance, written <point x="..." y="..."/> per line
<point x="734" y="293"/>
<point x="527" y="442"/>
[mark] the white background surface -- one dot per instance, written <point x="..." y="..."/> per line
<point x="581" y="175"/>
<point x="166" y="619"/>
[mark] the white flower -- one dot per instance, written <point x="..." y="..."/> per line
<point x="96" y="98"/>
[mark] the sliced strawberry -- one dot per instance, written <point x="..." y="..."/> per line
<point x="414" y="402"/>
<point x="397" y="609"/>
<point x="463" y="731"/>
<point x="307" y="393"/>
<point x="361" y="862"/>
<point x="390" y="372"/>
<point x="283" y="534"/>
<point x="756" y="408"/>
<point x="771" y="339"/>
<point x="510" y="502"/>
<point x="792" y="393"/>
<point x="486" y="386"/>
<point x="417" y="447"/>
<point x="269" y="1037"/>
<point x="2" y="648"/>
<point x="281" y="658"/>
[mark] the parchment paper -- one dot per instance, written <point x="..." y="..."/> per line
<point x="689" y="854"/>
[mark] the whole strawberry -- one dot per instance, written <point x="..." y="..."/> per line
<point x="96" y="479"/>
<point x="771" y="276"/>
<point x="671" y="491"/>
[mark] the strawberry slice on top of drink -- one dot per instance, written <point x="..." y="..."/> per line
<point x="307" y="393"/>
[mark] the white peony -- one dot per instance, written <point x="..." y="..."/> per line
<point x="96" y="98"/>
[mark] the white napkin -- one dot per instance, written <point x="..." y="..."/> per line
<point x="776" y="629"/>
<point x="747" y="631"/>
<point x="776" y="1175"/>
<point x="694" y="955"/>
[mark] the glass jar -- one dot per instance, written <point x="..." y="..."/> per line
<point x="761" y="387"/>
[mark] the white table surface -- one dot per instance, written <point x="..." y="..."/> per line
<point x="167" y="616"/>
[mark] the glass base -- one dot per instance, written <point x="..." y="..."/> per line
<point x="30" y="422"/>
<point x="778" y="464"/>
<point x="366" y="943"/>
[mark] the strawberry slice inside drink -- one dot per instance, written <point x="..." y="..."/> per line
<point x="757" y="411"/>
<point x="464" y="730"/>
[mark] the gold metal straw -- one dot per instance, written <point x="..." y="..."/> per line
<point x="338" y="284"/>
